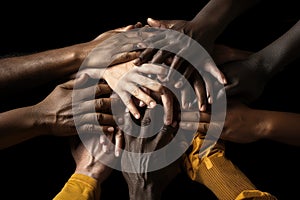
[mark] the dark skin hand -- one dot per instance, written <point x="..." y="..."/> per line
<point x="25" y="72"/>
<point x="250" y="127"/>
<point x="142" y="184"/>
<point x="54" y="115"/>
<point x="204" y="28"/>
<point x="247" y="78"/>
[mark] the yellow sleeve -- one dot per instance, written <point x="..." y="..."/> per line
<point x="79" y="187"/>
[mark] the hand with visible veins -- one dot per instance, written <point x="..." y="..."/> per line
<point x="20" y="73"/>
<point x="247" y="78"/>
<point x="245" y="125"/>
<point x="204" y="28"/>
<point x="59" y="115"/>
<point x="141" y="145"/>
<point x="93" y="167"/>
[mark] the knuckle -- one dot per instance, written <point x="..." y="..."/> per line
<point x="99" y="103"/>
<point x="100" y="117"/>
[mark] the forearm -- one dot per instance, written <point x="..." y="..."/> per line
<point x="281" y="52"/>
<point x="31" y="70"/>
<point x="16" y="126"/>
<point x="282" y="127"/>
<point x="217" y="14"/>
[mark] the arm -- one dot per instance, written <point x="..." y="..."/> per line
<point x="283" y="51"/>
<point x="204" y="28"/>
<point x="54" y="115"/>
<point x="244" y="124"/>
<point x="90" y="173"/>
<point x="22" y="72"/>
<point x="142" y="156"/>
<point x="262" y="65"/>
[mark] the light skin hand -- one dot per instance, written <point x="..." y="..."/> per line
<point x="130" y="81"/>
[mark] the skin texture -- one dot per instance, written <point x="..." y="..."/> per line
<point x="246" y="81"/>
<point x="247" y="78"/>
<point x="258" y="124"/>
<point x="204" y="28"/>
<point x="25" y="72"/>
<point x="54" y="115"/>
<point x="130" y="82"/>
<point x="144" y="184"/>
<point x="89" y="165"/>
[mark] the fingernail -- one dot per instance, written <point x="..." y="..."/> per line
<point x="110" y="129"/>
<point x="101" y="139"/>
<point x="178" y="84"/>
<point x="152" y="104"/>
<point x="203" y="107"/>
<point x="136" y="115"/>
<point x="168" y="122"/>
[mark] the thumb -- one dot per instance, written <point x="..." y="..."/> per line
<point x="161" y="23"/>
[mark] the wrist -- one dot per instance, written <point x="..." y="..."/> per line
<point x="99" y="172"/>
<point x="263" y="125"/>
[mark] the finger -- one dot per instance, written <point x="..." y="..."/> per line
<point x="160" y="23"/>
<point x="201" y="127"/>
<point x="156" y="69"/>
<point x="185" y="97"/>
<point x="167" y="101"/>
<point x="195" y="116"/>
<point x="145" y="56"/>
<point x="160" y="56"/>
<point x="176" y="62"/>
<point x="200" y="91"/>
<point x="108" y="129"/>
<point x="141" y="95"/>
<point x="124" y="57"/>
<point x="209" y="88"/>
<point x="129" y="103"/>
<point x="87" y="128"/>
<point x="147" y="91"/>
<point x="90" y="92"/>
<point x="186" y="75"/>
<point x="118" y="142"/>
<point x="211" y="68"/>
<point x="104" y="143"/>
<point x="147" y="83"/>
<point x="96" y="118"/>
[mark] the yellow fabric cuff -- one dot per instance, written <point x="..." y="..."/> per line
<point x="79" y="187"/>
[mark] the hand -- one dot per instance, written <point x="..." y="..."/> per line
<point x="144" y="182"/>
<point x="171" y="43"/>
<point x="57" y="113"/>
<point x="128" y="80"/>
<point x="241" y="125"/>
<point x="112" y="47"/>
<point x="246" y="80"/>
<point x="89" y="163"/>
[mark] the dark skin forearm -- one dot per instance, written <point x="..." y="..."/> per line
<point x="16" y="126"/>
<point x="281" y="52"/>
<point x="36" y="69"/>
<point x="282" y="127"/>
<point x="217" y="14"/>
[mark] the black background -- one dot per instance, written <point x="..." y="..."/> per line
<point x="38" y="168"/>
